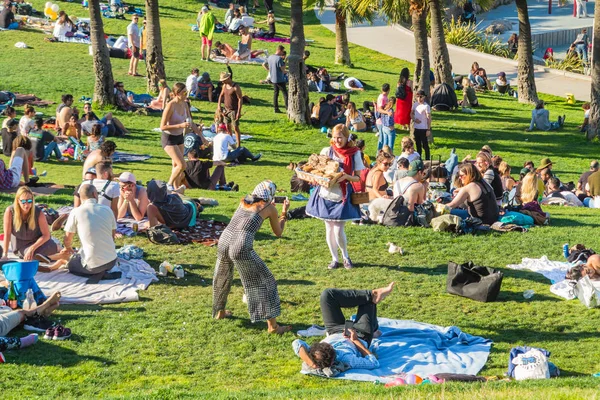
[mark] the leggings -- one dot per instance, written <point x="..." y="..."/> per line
<point x="336" y="238"/>
<point x="422" y="143"/>
<point x="9" y="343"/>
<point x="365" y="322"/>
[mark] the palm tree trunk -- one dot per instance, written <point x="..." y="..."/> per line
<point x="419" y="25"/>
<point x="103" y="85"/>
<point x="155" y="64"/>
<point x="342" y="51"/>
<point x="442" y="69"/>
<point x="525" y="77"/>
<point x="594" y="121"/>
<point x="298" y="87"/>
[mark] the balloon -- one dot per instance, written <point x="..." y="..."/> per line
<point x="55" y="8"/>
<point x="48" y="5"/>
<point x="53" y="16"/>
<point x="47" y="11"/>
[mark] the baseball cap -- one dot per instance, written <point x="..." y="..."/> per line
<point x="525" y="171"/>
<point x="91" y="171"/>
<point x="502" y="74"/>
<point x="414" y="167"/>
<point x="127" y="177"/>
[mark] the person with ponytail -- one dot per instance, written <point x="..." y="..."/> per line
<point x="26" y="123"/>
<point x="333" y="204"/>
<point x="236" y="249"/>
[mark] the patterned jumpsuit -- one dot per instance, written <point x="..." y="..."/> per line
<point x="236" y="249"/>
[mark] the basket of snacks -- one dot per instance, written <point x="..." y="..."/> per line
<point x="320" y="169"/>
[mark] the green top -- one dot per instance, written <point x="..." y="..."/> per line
<point x="207" y="25"/>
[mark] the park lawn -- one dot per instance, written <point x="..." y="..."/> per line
<point x="167" y="345"/>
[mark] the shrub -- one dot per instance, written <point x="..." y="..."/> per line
<point x="463" y="35"/>
<point x="571" y="64"/>
<point x="492" y="45"/>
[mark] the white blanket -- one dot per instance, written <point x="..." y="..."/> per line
<point x="136" y="275"/>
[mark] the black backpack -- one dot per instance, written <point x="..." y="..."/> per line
<point x="397" y="214"/>
<point x="162" y="234"/>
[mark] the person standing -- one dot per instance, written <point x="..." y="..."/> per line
<point x="206" y="25"/>
<point x="421" y="115"/>
<point x="380" y="104"/>
<point x="333" y="205"/>
<point x="404" y="99"/>
<point x="236" y="249"/>
<point x="276" y="67"/>
<point x="231" y="98"/>
<point x="581" y="8"/>
<point x="133" y="40"/>
<point x="582" y="41"/>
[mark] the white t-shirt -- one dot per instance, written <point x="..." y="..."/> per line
<point x="410" y="157"/>
<point x="112" y="191"/>
<point x="134" y="30"/>
<point x="94" y="224"/>
<point x="121" y="43"/>
<point x="347" y="83"/>
<point x="61" y="30"/>
<point x="221" y="143"/>
<point x="191" y="83"/>
<point x="357" y="120"/>
<point x="26" y="124"/>
<point x="421" y="112"/>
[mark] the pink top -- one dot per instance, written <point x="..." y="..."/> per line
<point x="382" y="100"/>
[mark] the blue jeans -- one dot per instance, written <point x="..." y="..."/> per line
<point x="380" y="140"/>
<point x="586" y="201"/>
<point x="14" y="25"/>
<point x="51" y="147"/>
<point x="241" y="154"/>
<point x="459" y="212"/>
<point x="583" y="52"/>
<point x="389" y="136"/>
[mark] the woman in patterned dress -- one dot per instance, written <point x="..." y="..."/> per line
<point x="236" y="250"/>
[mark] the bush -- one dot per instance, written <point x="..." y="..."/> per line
<point x="491" y="45"/>
<point x="571" y="64"/>
<point x="463" y="35"/>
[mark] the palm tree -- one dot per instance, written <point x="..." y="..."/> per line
<point x="525" y="77"/>
<point x="442" y="69"/>
<point x="155" y="64"/>
<point x="298" y="87"/>
<point x="594" y="121"/>
<point x="103" y="85"/>
<point x="418" y="12"/>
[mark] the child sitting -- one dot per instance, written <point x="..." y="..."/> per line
<point x="586" y="117"/>
<point x="469" y="95"/>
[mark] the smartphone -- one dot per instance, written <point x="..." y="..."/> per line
<point x="347" y="326"/>
<point x="280" y="199"/>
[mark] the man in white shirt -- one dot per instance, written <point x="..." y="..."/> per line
<point x="96" y="228"/>
<point x="221" y="143"/>
<point x="133" y="41"/>
<point x="191" y="83"/>
<point x="421" y="115"/>
<point x="107" y="190"/>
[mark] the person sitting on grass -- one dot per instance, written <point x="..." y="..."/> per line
<point x="350" y="346"/>
<point x="133" y="200"/>
<point x="221" y="144"/>
<point x="9" y="134"/>
<point x="72" y="128"/>
<point x="19" y="165"/>
<point x="508" y="183"/>
<point x="206" y="89"/>
<point x="191" y="83"/>
<point x="540" y="119"/>
<point x="555" y="191"/>
<point x="376" y="183"/>
<point x="469" y="96"/>
<point x="111" y="125"/>
<point x="490" y="174"/>
<point x="25" y="143"/>
<point x="411" y="187"/>
<point x="355" y="121"/>
<point x="167" y="209"/>
<point x="27" y="223"/>
<point x="64" y="111"/>
<point x="44" y="143"/>
<point x="108" y="190"/>
<point x="7" y="16"/>
<point x="586" y="117"/>
<point x="104" y="153"/>
<point x="328" y="113"/>
<point x="477" y="194"/>
<point x="164" y="96"/>
<point x="95" y="139"/>
<point x="122" y="101"/>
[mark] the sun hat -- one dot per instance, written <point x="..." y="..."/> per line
<point x="224" y="76"/>
<point x="545" y="163"/>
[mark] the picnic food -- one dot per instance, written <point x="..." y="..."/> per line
<point x="320" y="168"/>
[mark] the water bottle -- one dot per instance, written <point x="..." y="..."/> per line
<point x="34" y="171"/>
<point x="178" y="272"/>
<point x="528" y="294"/>
<point x="566" y="250"/>
<point x="29" y="302"/>
<point x="163" y="268"/>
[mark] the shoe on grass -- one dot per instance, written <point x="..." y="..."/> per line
<point x="333" y="265"/>
<point x="37" y="324"/>
<point x="61" y="333"/>
<point x="314" y="330"/>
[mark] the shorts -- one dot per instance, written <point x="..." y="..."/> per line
<point x="170" y="140"/>
<point x="243" y="55"/>
<point x="229" y="117"/>
<point x="135" y="52"/>
<point x="17" y="168"/>
<point x="205" y="40"/>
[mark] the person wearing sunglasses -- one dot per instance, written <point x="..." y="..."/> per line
<point x="27" y="223"/>
<point x="477" y="194"/>
<point x="376" y="184"/>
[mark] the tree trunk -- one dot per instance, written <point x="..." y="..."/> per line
<point x="594" y="121"/>
<point x="525" y="76"/>
<point x="298" y="87"/>
<point x="155" y="64"/>
<point x="442" y="69"/>
<point x="419" y="25"/>
<point x="103" y="85"/>
<point x="342" y="51"/>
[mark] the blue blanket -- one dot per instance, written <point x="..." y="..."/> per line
<point x="417" y="348"/>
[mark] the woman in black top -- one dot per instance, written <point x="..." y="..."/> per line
<point x="478" y="194"/>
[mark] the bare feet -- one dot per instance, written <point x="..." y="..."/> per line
<point x="224" y="314"/>
<point x="280" y="330"/>
<point x="46" y="307"/>
<point x="382" y="293"/>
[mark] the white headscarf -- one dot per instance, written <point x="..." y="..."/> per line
<point x="265" y="190"/>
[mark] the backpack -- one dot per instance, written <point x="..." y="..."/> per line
<point x="397" y="214"/>
<point x="444" y="98"/>
<point x="162" y="234"/>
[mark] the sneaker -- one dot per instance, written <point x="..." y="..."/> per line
<point x="49" y="333"/>
<point x="333" y="265"/>
<point x="235" y="188"/>
<point x="42" y="258"/>
<point x="170" y="188"/>
<point x="257" y="157"/>
<point x="61" y="333"/>
<point x="348" y="264"/>
<point x="314" y="330"/>
<point x="37" y="324"/>
<point x="230" y="184"/>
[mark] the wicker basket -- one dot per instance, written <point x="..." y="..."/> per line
<point x="359" y="198"/>
<point x="307" y="176"/>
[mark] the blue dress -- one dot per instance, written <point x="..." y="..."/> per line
<point x="329" y="210"/>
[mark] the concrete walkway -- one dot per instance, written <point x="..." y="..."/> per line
<point x="398" y="42"/>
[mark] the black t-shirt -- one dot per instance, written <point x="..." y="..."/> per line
<point x="326" y="113"/>
<point x="38" y="142"/>
<point x="6" y="17"/>
<point x="7" y="140"/>
<point x="197" y="173"/>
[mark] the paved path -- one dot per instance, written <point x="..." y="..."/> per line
<point x="398" y="42"/>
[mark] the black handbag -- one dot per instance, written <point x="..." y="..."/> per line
<point x="472" y="281"/>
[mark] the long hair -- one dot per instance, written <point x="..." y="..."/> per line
<point x="178" y="88"/>
<point x="471" y="173"/>
<point x="504" y="169"/>
<point x="18" y="213"/>
<point x="529" y="188"/>
<point x="352" y="111"/>
<point x="404" y="74"/>
<point x="341" y="128"/>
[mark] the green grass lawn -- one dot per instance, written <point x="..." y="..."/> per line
<point x="167" y="346"/>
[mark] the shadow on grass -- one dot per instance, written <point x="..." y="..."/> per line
<point x="37" y="355"/>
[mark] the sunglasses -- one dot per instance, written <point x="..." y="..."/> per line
<point x="26" y="201"/>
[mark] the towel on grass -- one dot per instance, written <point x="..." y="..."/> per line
<point x="120" y="156"/>
<point x="412" y="347"/>
<point x="223" y="60"/>
<point x="209" y="135"/>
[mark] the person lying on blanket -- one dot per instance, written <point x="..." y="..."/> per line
<point x="346" y="345"/>
<point x="167" y="209"/>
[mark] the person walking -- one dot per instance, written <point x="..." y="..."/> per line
<point x="236" y="249"/>
<point x="133" y="40"/>
<point x="231" y="98"/>
<point x="276" y="67"/>
<point x="206" y="25"/>
<point x="581" y="9"/>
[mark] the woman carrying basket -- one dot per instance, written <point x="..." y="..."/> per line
<point x="333" y="205"/>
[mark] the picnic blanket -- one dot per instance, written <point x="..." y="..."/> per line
<point x="74" y="39"/>
<point x="223" y="60"/>
<point x="554" y="271"/>
<point x="206" y="232"/>
<point x="412" y="347"/>
<point x="32" y="99"/>
<point x="46" y="189"/>
<point x="120" y="156"/>
<point x="272" y="40"/>
<point x="135" y="275"/>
